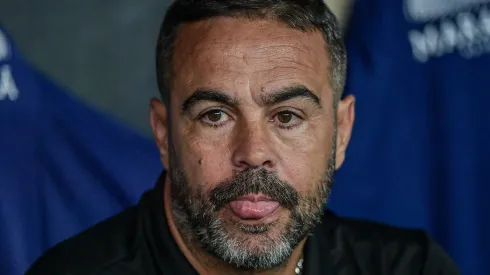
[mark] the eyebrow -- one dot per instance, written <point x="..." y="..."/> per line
<point x="279" y="96"/>
<point x="289" y="93"/>
<point x="207" y="95"/>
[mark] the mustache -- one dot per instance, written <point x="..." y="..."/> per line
<point x="254" y="181"/>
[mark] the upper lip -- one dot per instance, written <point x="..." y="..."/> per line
<point x="254" y="198"/>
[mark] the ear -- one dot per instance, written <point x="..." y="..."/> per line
<point x="159" y="125"/>
<point x="345" y="121"/>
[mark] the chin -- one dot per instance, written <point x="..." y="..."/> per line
<point x="256" y="235"/>
<point x="253" y="243"/>
<point x="256" y="247"/>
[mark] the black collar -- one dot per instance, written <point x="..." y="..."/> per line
<point x="318" y="251"/>
<point x="164" y="251"/>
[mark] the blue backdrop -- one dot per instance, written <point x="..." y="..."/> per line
<point x="63" y="166"/>
<point x="420" y="151"/>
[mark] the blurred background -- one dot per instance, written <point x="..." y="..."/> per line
<point x="75" y="143"/>
<point x="103" y="51"/>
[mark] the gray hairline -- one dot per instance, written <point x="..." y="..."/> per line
<point x="336" y="54"/>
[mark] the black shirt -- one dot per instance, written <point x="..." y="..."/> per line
<point x="138" y="242"/>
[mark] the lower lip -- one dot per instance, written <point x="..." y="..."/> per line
<point x="248" y="210"/>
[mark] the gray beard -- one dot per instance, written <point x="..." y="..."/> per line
<point x="196" y="216"/>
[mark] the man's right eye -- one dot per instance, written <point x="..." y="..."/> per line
<point x="215" y="118"/>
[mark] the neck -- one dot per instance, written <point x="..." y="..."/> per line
<point x="204" y="263"/>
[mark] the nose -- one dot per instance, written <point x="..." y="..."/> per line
<point x="254" y="149"/>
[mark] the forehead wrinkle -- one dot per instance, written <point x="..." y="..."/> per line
<point x="242" y="62"/>
<point x="279" y="39"/>
<point x="206" y="47"/>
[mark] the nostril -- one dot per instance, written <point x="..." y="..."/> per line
<point x="268" y="164"/>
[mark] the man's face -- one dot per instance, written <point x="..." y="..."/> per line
<point x="252" y="140"/>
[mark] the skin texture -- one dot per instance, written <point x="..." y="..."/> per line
<point x="249" y="61"/>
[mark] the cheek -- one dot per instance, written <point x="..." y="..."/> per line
<point x="305" y="161"/>
<point x="206" y="161"/>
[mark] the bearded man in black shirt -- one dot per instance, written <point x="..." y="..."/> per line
<point x="251" y="126"/>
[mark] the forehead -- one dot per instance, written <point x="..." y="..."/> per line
<point x="222" y="52"/>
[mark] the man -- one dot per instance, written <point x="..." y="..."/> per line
<point x="251" y="128"/>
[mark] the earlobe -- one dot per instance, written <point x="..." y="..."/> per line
<point x="345" y="122"/>
<point x="159" y="125"/>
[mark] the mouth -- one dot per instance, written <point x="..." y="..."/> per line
<point x="253" y="207"/>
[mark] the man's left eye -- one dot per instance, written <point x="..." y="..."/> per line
<point x="286" y="119"/>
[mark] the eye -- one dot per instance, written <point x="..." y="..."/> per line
<point x="214" y="118"/>
<point x="284" y="117"/>
<point x="214" y="115"/>
<point x="287" y="119"/>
